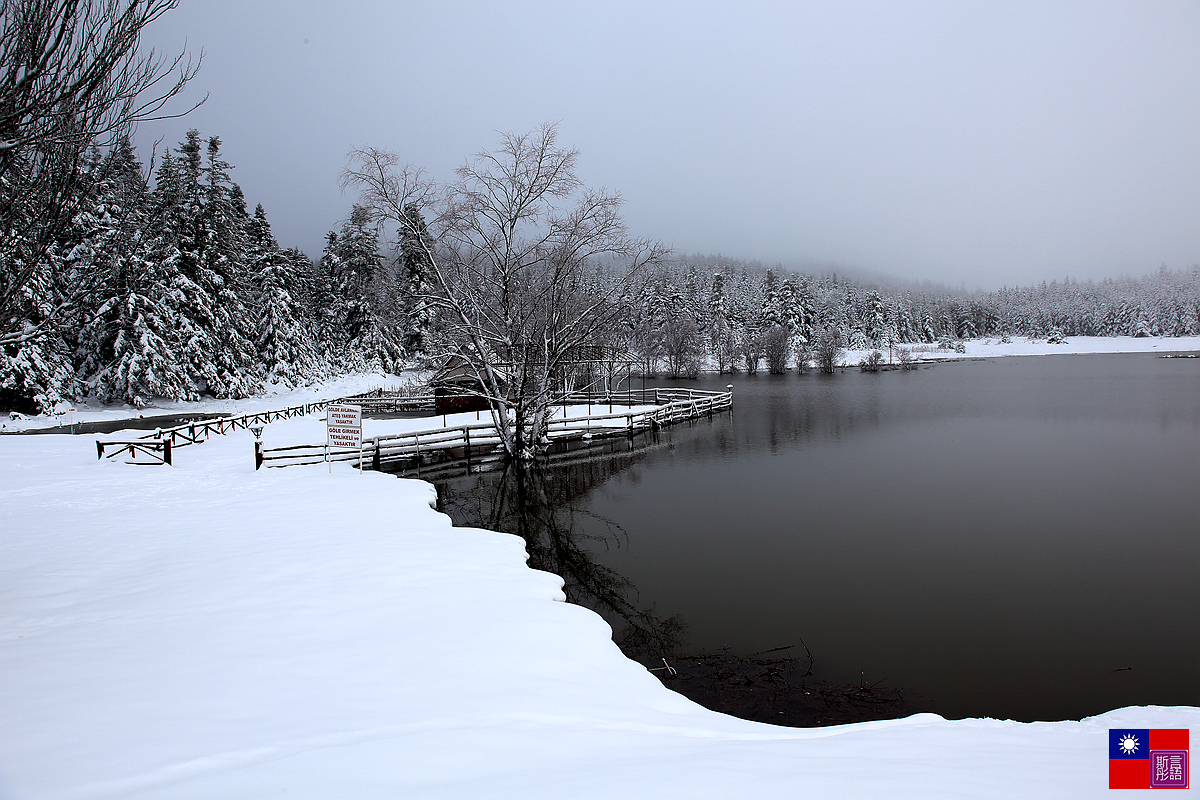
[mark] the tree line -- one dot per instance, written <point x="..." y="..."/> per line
<point x="128" y="282"/>
<point x="721" y="313"/>
<point x="179" y="291"/>
<point x="165" y="285"/>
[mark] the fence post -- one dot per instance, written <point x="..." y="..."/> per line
<point x="258" y="455"/>
<point x="467" y="435"/>
<point x="167" y="451"/>
<point x="376" y="460"/>
<point x="99" y="449"/>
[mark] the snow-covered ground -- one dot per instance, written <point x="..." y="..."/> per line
<point x="1022" y="346"/>
<point x="92" y="411"/>
<point x="205" y="630"/>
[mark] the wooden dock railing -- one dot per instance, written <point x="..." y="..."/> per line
<point x="671" y="406"/>
<point x="480" y="440"/>
<point x="383" y="401"/>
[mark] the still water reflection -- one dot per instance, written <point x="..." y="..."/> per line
<point x="1013" y="538"/>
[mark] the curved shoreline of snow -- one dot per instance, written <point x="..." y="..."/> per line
<point x="211" y="631"/>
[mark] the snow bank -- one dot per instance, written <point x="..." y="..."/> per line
<point x="275" y="398"/>
<point x="1022" y="346"/>
<point x="211" y="631"/>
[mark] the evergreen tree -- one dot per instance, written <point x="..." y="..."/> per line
<point x="127" y="342"/>
<point x="222" y="274"/>
<point x="417" y="281"/>
<point x="284" y="334"/>
<point x="365" y="306"/>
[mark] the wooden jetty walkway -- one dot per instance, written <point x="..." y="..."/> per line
<point x="480" y="442"/>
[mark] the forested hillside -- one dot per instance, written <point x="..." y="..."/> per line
<point x="168" y="286"/>
<point x="738" y="315"/>
<point x="172" y="288"/>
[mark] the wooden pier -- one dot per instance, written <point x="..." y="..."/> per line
<point x="480" y="442"/>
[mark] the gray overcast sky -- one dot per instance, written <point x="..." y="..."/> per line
<point x="968" y="143"/>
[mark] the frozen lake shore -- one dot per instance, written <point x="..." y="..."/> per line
<point x="353" y="384"/>
<point x="208" y="630"/>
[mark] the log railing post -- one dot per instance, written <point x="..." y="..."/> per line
<point x="467" y="436"/>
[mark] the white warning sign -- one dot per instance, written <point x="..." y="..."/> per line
<point x="343" y="426"/>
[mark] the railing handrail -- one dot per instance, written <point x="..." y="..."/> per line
<point x="692" y="402"/>
<point x="219" y="422"/>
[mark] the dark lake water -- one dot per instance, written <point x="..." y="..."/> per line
<point x="1015" y="538"/>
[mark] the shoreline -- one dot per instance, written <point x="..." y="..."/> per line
<point x="91" y="411"/>
<point x="779" y="690"/>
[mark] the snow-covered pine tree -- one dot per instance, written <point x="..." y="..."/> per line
<point x="35" y="358"/>
<point x="35" y="372"/>
<point x="874" y="317"/>
<point x="174" y="246"/>
<point x="223" y="274"/>
<point x="417" y="282"/>
<point x="770" y="312"/>
<point x="284" y="336"/>
<point x="365" y="305"/>
<point x="127" y="340"/>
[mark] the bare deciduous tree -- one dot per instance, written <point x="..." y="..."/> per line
<point x="750" y="347"/>
<point x="775" y="349"/>
<point x="514" y="243"/>
<point x="828" y="350"/>
<point x="71" y="77"/>
<point x="683" y="346"/>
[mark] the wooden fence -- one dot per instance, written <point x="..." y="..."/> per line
<point x="198" y="431"/>
<point x="481" y="441"/>
<point x="157" y="451"/>
<point x="163" y="440"/>
<point x="382" y="401"/>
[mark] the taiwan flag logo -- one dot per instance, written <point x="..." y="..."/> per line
<point x="1148" y="758"/>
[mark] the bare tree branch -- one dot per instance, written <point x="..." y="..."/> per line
<point x="516" y="237"/>
<point x="71" y="76"/>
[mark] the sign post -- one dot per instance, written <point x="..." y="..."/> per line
<point x="343" y="428"/>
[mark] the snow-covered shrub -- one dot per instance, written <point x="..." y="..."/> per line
<point x="775" y="348"/>
<point x="804" y="356"/>
<point x="871" y="362"/>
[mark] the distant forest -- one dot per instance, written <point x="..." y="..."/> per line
<point x="172" y="288"/>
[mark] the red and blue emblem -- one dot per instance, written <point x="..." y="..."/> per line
<point x="1148" y="758"/>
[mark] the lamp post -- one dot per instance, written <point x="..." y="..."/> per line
<point x="258" y="451"/>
